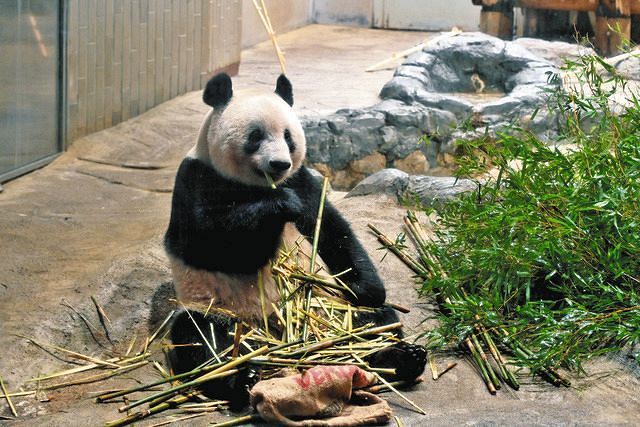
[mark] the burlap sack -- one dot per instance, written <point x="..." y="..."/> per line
<point x="323" y="396"/>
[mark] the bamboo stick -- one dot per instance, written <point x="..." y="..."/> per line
<point x="240" y="420"/>
<point x="7" y="398"/>
<point x="216" y="373"/>
<point x="447" y="369"/>
<point x="266" y="22"/>
<point x="314" y="250"/>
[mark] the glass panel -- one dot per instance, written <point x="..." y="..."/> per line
<point x="29" y="81"/>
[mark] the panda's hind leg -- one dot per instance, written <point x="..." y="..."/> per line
<point x="408" y="360"/>
<point x="190" y="351"/>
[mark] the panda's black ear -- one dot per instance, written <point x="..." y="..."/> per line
<point x="218" y="91"/>
<point x="284" y="89"/>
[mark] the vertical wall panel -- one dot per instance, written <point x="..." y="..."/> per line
<point x="126" y="56"/>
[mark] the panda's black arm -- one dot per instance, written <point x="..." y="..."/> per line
<point x="338" y="246"/>
<point x="280" y="207"/>
<point x="205" y="201"/>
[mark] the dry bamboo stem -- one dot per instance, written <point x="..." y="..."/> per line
<point x="6" y="396"/>
<point x="99" y="377"/>
<point x="113" y="395"/>
<point x="378" y="388"/>
<point x="239" y="420"/>
<point x="175" y="420"/>
<point x="448" y="368"/>
<point x="137" y="416"/>
<point x="216" y="373"/>
<point x="102" y="316"/>
<point x="73" y="354"/>
<point x="332" y="341"/>
<point x="156" y="397"/>
<point x="314" y="251"/>
<point x="266" y="22"/>
<point x="161" y="327"/>
<point x="432" y="366"/>
<point x="395" y="56"/>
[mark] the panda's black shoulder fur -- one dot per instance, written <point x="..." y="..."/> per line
<point x="215" y="220"/>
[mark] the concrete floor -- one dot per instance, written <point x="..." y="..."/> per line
<point x="89" y="224"/>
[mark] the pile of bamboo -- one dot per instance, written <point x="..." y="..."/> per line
<point x="316" y="326"/>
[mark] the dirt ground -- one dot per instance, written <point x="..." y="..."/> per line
<point x="90" y="224"/>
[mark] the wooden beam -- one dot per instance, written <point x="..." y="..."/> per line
<point x="613" y="25"/>
<point x="570" y="5"/>
<point x="496" y="18"/>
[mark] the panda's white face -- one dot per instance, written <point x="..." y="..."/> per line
<point x="253" y="134"/>
<point x="256" y="134"/>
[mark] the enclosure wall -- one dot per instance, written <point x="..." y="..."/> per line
<point x="126" y="56"/>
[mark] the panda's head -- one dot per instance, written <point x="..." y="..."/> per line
<point x="250" y="134"/>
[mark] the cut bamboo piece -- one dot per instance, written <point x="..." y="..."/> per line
<point x="7" y="398"/>
<point x="266" y="22"/>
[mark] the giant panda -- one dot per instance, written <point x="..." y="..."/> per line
<point x="227" y="223"/>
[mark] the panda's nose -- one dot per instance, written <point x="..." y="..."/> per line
<point x="279" y="165"/>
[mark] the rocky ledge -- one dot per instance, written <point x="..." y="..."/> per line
<point x="456" y="86"/>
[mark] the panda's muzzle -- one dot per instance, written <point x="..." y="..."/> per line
<point x="279" y="166"/>
<point x="275" y="168"/>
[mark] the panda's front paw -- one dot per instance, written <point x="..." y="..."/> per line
<point x="408" y="360"/>
<point x="239" y="387"/>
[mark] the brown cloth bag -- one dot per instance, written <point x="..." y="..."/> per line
<point x="324" y="396"/>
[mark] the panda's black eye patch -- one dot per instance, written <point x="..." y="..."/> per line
<point x="254" y="140"/>
<point x="289" y="140"/>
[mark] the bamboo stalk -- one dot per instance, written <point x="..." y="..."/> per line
<point x="216" y="373"/>
<point x="266" y="22"/>
<point x="7" y="398"/>
<point x="175" y="420"/>
<point x="262" y="302"/>
<point x="71" y="353"/>
<point x="314" y="251"/>
<point x="21" y="393"/>
<point x="448" y="368"/>
<point x="390" y="245"/>
<point x="432" y="366"/>
<point x="240" y="420"/>
<point x="378" y="388"/>
<point x="161" y="327"/>
<point x="137" y="416"/>
<point x="332" y="341"/>
<point x="99" y="377"/>
<point x="497" y="356"/>
<point x="113" y="395"/>
<point x="483" y="371"/>
<point x="169" y="393"/>
<point x="102" y="316"/>
<point x="485" y="360"/>
<point x="395" y="56"/>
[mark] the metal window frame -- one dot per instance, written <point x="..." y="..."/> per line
<point x="61" y="96"/>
